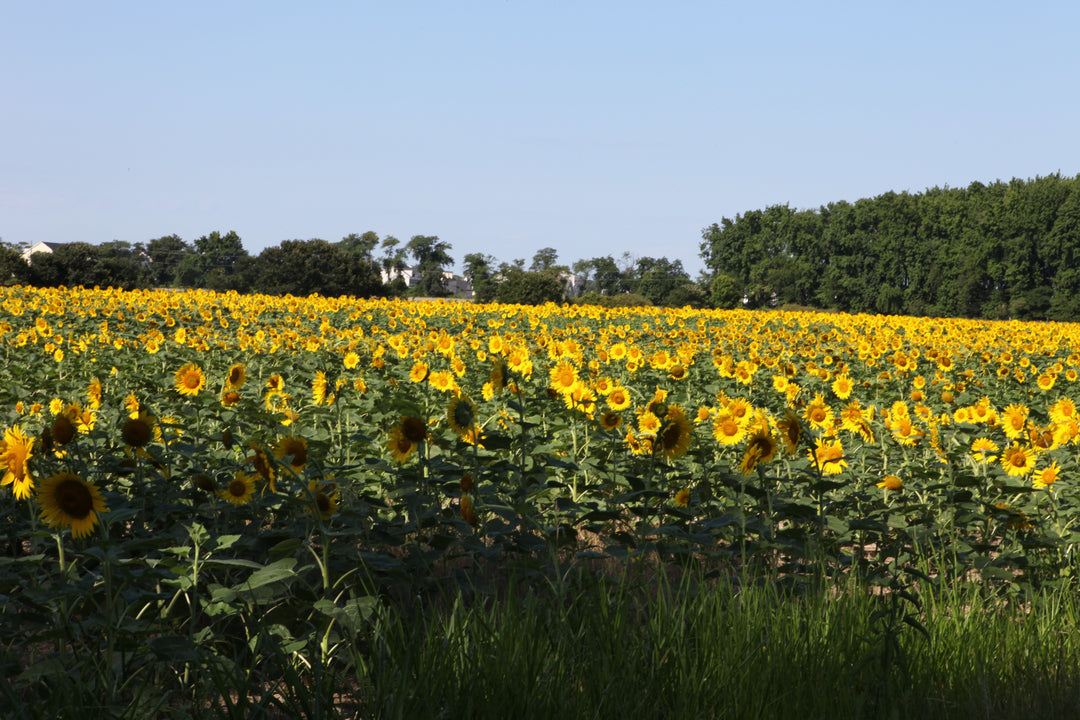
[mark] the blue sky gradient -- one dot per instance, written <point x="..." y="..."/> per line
<point x="503" y="127"/>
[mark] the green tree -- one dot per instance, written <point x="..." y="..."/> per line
<point x="524" y="287"/>
<point x="304" y="267"/>
<point x="361" y="245"/>
<point x="13" y="269"/>
<point x="544" y="259"/>
<point x="657" y="278"/>
<point x="165" y="254"/>
<point x="431" y="255"/>
<point x="219" y="263"/>
<point x="480" y="274"/>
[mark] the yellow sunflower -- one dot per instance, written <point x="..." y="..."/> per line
<point x="1018" y="460"/>
<point x="240" y="490"/>
<point x="68" y="501"/>
<point x="674" y="436"/>
<point x="15" y="457"/>
<point x="761" y="447"/>
<point x="727" y="429"/>
<point x="461" y="415"/>
<point x="618" y="399"/>
<point x="829" y="457"/>
<point x="564" y="377"/>
<point x="401" y="447"/>
<point x="138" y="431"/>
<point x="295" y="448"/>
<point x="189" y="380"/>
<point x="1047" y="476"/>
<point x="237" y="377"/>
<point x="891" y="483"/>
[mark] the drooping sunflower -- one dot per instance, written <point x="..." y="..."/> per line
<point x="294" y="448"/>
<point x="240" y="490"/>
<point x="68" y="501"/>
<point x="461" y="415"/>
<point x="17" y="450"/>
<point x="413" y="428"/>
<point x="761" y="447"/>
<point x="674" y="435"/>
<point x="320" y="389"/>
<point x="237" y="376"/>
<point x="401" y="448"/>
<point x="891" y="483"/>
<point x="325" y="497"/>
<point x="63" y="428"/>
<point x="264" y="466"/>
<point x="189" y="380"/>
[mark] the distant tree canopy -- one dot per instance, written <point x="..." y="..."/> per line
<point x="994" y="251"/>
<point x="304" y="267"/>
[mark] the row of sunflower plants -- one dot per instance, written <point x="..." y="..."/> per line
<point x="233" y="481"/>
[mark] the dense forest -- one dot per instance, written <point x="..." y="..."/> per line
<point x="1005" y="250"/>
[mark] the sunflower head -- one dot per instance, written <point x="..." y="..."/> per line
<point x="295" y="448"/>
<point x="240" y="490"/>
<point x="237" y="377"/>
<point x="461" y="415"/>
<point x="15" y="452"/>
<point x="674" y="436"/>
<point x="413" y="428"/>
<point x="189" y="380"/>
<point x="138" y="431"/>
<point x="63" y="429"/>
<point x="68" y="501"/>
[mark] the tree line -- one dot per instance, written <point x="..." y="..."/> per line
<point x="1004" y="250"/>
<point x="362" y="265"/>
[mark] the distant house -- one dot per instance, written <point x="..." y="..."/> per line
<point x="455" y="285"/>
<point x="43" y="247"/>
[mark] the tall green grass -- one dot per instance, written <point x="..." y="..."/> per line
<point x="697" y="650"/>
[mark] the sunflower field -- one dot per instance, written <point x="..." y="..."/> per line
<point x="196" y="483"/>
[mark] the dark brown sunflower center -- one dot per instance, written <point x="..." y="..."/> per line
<point x="74" y="499"/>
<point x="413" y="429"/>
<point x="238" y="488"/>
<point x="136" y="433"/>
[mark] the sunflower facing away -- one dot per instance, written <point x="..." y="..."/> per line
<point x="68" y="501"/>
<point x="295" y="448"/>
<point x="16" y="451"/>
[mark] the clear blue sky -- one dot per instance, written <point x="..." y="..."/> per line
<point x="507" y="126"/>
